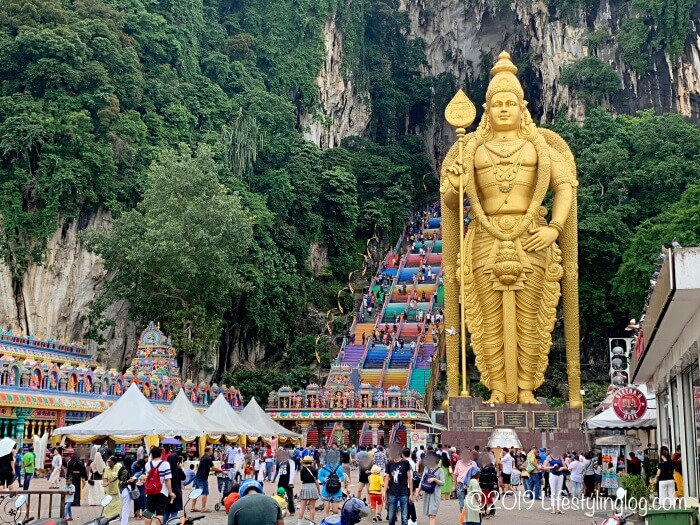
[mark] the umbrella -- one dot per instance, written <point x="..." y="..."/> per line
<point x="170" y="441"/>
<point x="6" y="446"/>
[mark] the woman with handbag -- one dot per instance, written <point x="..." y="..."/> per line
<point x="430" y="485"/>
<point x="310" y="490"/>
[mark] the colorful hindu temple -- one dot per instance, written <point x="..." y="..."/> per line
<point x="47" y="384"/>
<point x="380" y="388"/>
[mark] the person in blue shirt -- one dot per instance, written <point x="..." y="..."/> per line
<point x="332" y="466"/>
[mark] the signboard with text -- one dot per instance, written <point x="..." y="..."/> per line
<point x="484" y="419"/>
<point x="629" y="403"/>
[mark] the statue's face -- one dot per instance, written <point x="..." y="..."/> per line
<point x="504" y="111"/>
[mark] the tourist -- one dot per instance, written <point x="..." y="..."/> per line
<point x="577" y="467"/>
<point x="380" y="458"/>
<point x="110" y="482"/>
<point x="634" y="466"/>
<point x="554" y="465"/>
<point x="310" y="492"/>
<point x="280" y="498"/>
<point x="431" y="483"/>
<point x="139" y="474"/>
<point x="446" y="485"/>
<point x="331" y="478"/>
<point x="412" y="517"/>
<point x="664" y="477"/>
<point x="364" y="466"/>
<point x="461" y="479"/>
<point x="201" y="480"/>
<point x="345" y="460"/>
<point x="269" y="462"/>
<point x="398" y="486"/>
<point x="590" y="473"/>
<point x="175" y="505"/>
<point x="126" y="484"/>
<point x="488" y="481"/>
<point x="157" y="501"/>
<point x="507" y="462"/>
<point x="286" y="473"/>
<point x="470" y="511"/>
<point x="94" y="491"/>
<point x="18" y="467"/>
<point x="677" y="471"/>
<point x="77" y="473"/>
<point x="56" y="466"/>
<point x="533" y="467"/>
<point x="28" y="464"/>
<point x="254" y="507"/>
<point x="70" y="494"/>
<point x="7" y="470"/>
<point x="141" y="453"/>
<point x="375" y="490"/>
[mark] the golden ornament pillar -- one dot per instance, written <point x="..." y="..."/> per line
<point x="502" y="279"/>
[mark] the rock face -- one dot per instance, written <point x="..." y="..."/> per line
<point x="341" y="112"/>
<point x="51" y="299"/>
<point x="458" y="34"/>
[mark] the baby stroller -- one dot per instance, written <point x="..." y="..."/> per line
<point x="224" y="482"/>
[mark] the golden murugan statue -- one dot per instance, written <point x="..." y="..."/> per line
<point x="508" y="265"/>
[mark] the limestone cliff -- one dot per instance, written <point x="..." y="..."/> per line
<point x="457" y="35"/>
<point x="52" y="298"/>
<point x="341" y="111"/>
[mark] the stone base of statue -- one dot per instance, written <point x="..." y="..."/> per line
<point x="471" y="421"/>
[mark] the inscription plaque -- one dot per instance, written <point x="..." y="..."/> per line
<point x="515" y="419"/>
<point x="484" y="419"/>
<point x="546" y="420"/>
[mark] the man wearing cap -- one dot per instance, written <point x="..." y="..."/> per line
<point x="254" y="507"/>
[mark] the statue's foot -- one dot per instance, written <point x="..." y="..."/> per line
<point x="526" y="397"/>
<point x="497" y="397"/>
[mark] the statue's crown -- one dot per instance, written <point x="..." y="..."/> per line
<point x="504" y="79"/>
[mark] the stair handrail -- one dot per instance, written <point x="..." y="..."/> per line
<point x="435" y="371"/>
<point x="392" y="434"/>
<point x="329" y="441"/>
<point x="361" y="437"/>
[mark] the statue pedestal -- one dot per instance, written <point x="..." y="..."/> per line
<point x="470" y="422"/>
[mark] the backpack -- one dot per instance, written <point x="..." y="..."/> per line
<point x="426" y="487"/>
<point x="153" y="483"/>
<point x="333" y="482"/>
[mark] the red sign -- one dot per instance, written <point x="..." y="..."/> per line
<point x="629" y="403"/>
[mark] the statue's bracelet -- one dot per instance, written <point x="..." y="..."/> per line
<point x="556" y="226"/>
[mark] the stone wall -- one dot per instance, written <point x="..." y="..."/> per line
<point x="462" y="434"/>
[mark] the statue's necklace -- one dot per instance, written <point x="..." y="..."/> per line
<point x="505" y="172"/>
<point x="505" y="148"/>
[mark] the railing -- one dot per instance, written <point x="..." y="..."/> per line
<point x="435" y="372"/>
<point x="37" y="505"/>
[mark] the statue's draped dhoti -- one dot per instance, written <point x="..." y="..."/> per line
<point x="511" y="319"/>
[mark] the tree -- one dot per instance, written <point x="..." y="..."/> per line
<point x="180" y="255"/>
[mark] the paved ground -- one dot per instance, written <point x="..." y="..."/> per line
<point x="511" y="510"/>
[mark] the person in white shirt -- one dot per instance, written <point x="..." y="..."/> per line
<point x="577" y="468"/>
<point x="156" y="503"/>
<point x="506" y="470"/>
<point x="238" y="463"/>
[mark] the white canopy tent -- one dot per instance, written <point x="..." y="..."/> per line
<point x="258" y="418"/>
<point x="182" y="411"/>
<point x="130" y="419"/>
<point x="608" y="420"/>
<point x="234" y="425"/>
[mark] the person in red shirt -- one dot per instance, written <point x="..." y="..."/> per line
<point x="232" y="498"/>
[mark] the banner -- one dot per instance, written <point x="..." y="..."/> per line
<point x="610" y="454"/>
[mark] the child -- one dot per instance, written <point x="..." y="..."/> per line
<point x="70" y="490"/>
<point x="472" y="502"/>
<point x="232" y="497"/>
<point x="376" y="484"/>
<point x="281" y="498"/>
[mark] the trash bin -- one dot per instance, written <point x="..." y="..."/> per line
<point x="670" y="516"/>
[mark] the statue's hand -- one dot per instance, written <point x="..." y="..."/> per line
<point x="541" y="239"/>
<point x="454" y="172"/>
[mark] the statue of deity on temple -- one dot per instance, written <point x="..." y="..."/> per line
<point x="504" y="277"/>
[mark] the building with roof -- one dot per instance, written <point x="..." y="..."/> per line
<point x="46" y="384"/>
<point x="666" y="358"/>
